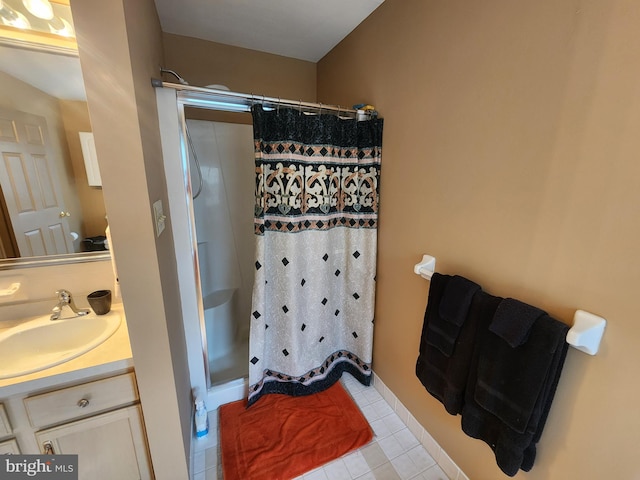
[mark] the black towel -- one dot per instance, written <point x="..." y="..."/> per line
<point x="505" y="382"/>
<point x="445" y="376"/>
<point x="513" y="320"/>
<point x="456" y="299"/>
<point x="510" y="380"/>
<point x="445" y="322"/>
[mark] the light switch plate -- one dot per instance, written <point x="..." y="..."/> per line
<point x="159" y="216"/>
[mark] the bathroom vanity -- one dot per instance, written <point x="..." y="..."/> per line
<point x="87" y="406"/>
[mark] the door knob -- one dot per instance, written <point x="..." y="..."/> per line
<point x="64" y="214"/>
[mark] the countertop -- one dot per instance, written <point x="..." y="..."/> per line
<point x="112" y="356"/>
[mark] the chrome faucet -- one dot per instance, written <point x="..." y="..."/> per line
<point x="65" y="299"/>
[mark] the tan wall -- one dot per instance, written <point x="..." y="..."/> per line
<point x="120" y="48"/>
<point x="75" y="117"/>
<point x="18" y="95"/>
<point x="202" y="63"/>
<point x="510" y="154"/>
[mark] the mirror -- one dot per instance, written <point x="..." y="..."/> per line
<point x="48" y="205"/>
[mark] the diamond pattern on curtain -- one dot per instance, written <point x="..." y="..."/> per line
<point x="315" y="221"/>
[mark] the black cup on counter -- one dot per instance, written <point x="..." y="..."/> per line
<point x="100" y="301"/>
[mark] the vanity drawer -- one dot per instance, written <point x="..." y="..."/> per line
<point x="87" y="399"/>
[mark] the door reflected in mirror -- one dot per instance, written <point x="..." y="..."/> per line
<point x="48" y="206"/>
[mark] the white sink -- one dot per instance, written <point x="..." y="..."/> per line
<point x="42" y="343"/>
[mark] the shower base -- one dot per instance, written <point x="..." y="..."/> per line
<point x="229" y="376"/>
<point x="227" y="392"/>
<point x="231" y="366"/>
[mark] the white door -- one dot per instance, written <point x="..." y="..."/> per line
<point x="29" y="180"/>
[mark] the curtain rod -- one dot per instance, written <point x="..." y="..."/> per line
<point x="242" y="102"/>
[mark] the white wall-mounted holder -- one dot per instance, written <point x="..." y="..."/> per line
<point x="426" y="267"/>
<point x="587" y="331"/>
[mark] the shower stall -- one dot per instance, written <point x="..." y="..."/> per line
<point x="210" y="172"/>
<point x="209" y="166"/>
<point x="221" y="170"/>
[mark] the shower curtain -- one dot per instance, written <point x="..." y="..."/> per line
<point x="316" y="219"/>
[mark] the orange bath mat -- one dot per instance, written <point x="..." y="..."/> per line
<point x="281" y="437"/>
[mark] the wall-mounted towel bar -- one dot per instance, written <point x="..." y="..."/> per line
<point x="587" y="330"/>
<point x="426" y="267"/>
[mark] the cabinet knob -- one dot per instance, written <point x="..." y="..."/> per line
<point x="83" y="402"/>
<point x="48" y="448"/>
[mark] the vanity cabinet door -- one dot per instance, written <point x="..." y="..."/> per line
<point x="109" y="446"/>
<point x="9" y="447"/>
<point x="5" y="424"/>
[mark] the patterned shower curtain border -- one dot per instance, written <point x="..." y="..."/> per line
<point x="315" y="380"/>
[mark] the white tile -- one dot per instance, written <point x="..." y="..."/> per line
<point x="388" y="395"/>
<point x="393" y="423"/>
<point x="203" y="443"/>
<point x="199" y="462"/>
<point x="405" y="467"/>
<point x="414" y="426"/>
<point x="360" y="400"/>
<point x="448" y="466"/>
<point x="391" y="447"/>
<point x="402" y="412"/>
<point x="352" y="385"/>
<point x="317" y="474"/>
<point x="212" y="415"/>
<point x="211" y="457"/>
<point x="370" y="413"/>
<point x="367" y="476"/>
<point x="382" y="408"/>
<point x="431" y="445"/>
<point x="374" y="455"/>
<point x="337" y="470"/>
<point x="386" y="472"/>
<point x="433" y="473"/>
<point x="380" y="428"/>
<point x="372" y="395"/>
<point x="211" y="474"/>
<point x="406" y="439"/>
<point x="421" y="458"/>
<point x="356" y="464"/>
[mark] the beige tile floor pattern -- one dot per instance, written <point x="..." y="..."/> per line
<point x="393" y="454"/>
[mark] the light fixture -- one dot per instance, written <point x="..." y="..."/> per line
<point x="11" y="18"/>
<point x="61" y="27"/>
<point x="39" y="8"/>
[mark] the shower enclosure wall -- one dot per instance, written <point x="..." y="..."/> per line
<point x="221" y="169"/>
<point x="210" y="185"/>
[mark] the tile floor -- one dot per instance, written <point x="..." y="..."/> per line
<point x="394" y="453"/>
